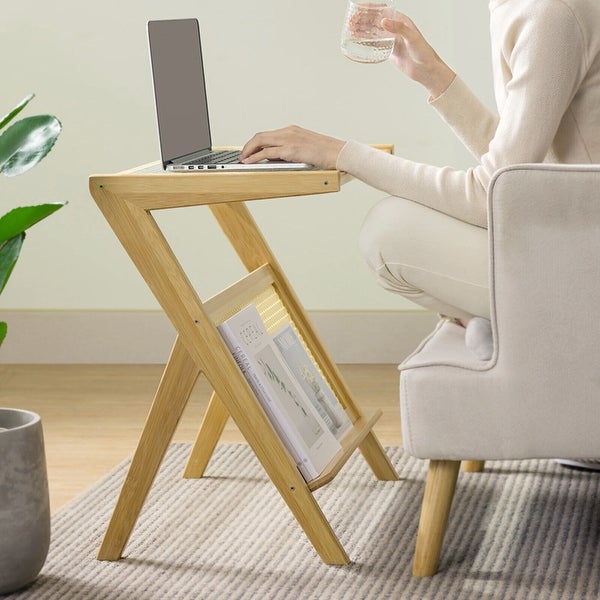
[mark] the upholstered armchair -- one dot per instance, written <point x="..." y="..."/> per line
<point x="538" y="396"/>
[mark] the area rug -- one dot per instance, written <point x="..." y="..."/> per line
<point x="527" y="529"/>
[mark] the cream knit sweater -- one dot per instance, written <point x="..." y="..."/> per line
<point x="546" y="66"/>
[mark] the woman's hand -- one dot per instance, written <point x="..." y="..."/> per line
<point x="414" y="56"/>
<point x="293" y="144"/>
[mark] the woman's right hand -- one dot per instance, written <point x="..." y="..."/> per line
<point x="414" y="56"/>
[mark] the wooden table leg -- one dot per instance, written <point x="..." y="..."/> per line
<point x="172" y="395"/>
<point x="377" y="458"/>
<point x="212" y="426"/>
<point x="308" y="513"/>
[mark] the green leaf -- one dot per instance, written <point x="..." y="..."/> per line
<point x="26" y="142"/>
<point x="3" y="328"/>
<point x="9" y="253"/>
<point x="15" y="111"/>
<point x="19" y="219"/>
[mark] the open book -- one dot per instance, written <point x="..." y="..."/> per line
<point x="302" y="429"/>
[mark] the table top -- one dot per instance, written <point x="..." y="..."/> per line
<point x="150" y="187"/>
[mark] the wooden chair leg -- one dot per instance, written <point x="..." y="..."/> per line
<point x="473" y="466"/>
<point x="437" y="500"/>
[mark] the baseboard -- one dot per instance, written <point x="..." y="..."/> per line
<point x="146" y="337"/>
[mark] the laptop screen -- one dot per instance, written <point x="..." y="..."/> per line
<point x="179" y="88"/>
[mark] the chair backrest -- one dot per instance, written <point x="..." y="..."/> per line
<point x="544" y="224"/>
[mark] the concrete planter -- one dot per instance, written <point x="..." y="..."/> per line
<point x="24" y="503"/>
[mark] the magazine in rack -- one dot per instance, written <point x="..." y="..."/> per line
<point x="312" y="381"/>
<point x="303" y="431"/>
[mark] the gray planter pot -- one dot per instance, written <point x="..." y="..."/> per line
<point x="24" y="503"/>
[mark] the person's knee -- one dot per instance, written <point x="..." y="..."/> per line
<point x="375" y="230"/>
<point x="384" y="242"/>
<point x="430" y="258"/>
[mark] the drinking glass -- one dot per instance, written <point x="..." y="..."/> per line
<point x="363" y="38"/>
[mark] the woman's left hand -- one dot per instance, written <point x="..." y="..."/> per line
<point x="293" y="144"/>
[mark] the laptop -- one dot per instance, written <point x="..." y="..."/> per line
<point x="182" y="106"/>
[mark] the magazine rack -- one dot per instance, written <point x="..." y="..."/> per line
<point x="127" y="200"/>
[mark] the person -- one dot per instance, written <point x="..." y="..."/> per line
<point x="428" y="241"/>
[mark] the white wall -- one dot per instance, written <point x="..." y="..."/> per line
<point x="269" y="63"/>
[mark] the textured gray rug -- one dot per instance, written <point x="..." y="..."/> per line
<point x="527" y="529"/>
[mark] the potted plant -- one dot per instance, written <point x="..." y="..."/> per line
<point x="24" y="504"/>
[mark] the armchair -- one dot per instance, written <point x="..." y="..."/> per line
<point x="539" y="394"/>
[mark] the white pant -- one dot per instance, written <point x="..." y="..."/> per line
<point x="428" y="257"/>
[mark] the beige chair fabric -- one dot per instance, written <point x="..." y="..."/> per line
<point x="539" y="394"/>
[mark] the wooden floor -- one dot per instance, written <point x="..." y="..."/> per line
<point x="93" y="415"/>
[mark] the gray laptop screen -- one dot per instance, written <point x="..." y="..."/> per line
<point x="179" y="88"/>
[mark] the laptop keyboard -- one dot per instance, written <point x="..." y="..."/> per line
<point x="221" y="156"/>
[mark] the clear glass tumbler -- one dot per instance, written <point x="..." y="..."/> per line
<point x="363" y="38"/>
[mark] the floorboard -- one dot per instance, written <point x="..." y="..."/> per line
<point x="92" y="415"/>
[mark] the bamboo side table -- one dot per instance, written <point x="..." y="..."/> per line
<point x="127" y="200"/>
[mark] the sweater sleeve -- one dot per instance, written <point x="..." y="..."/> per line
<point x="537" y="96"/>
<point x="460" y="194"/>
<point x="472" y="122"/>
